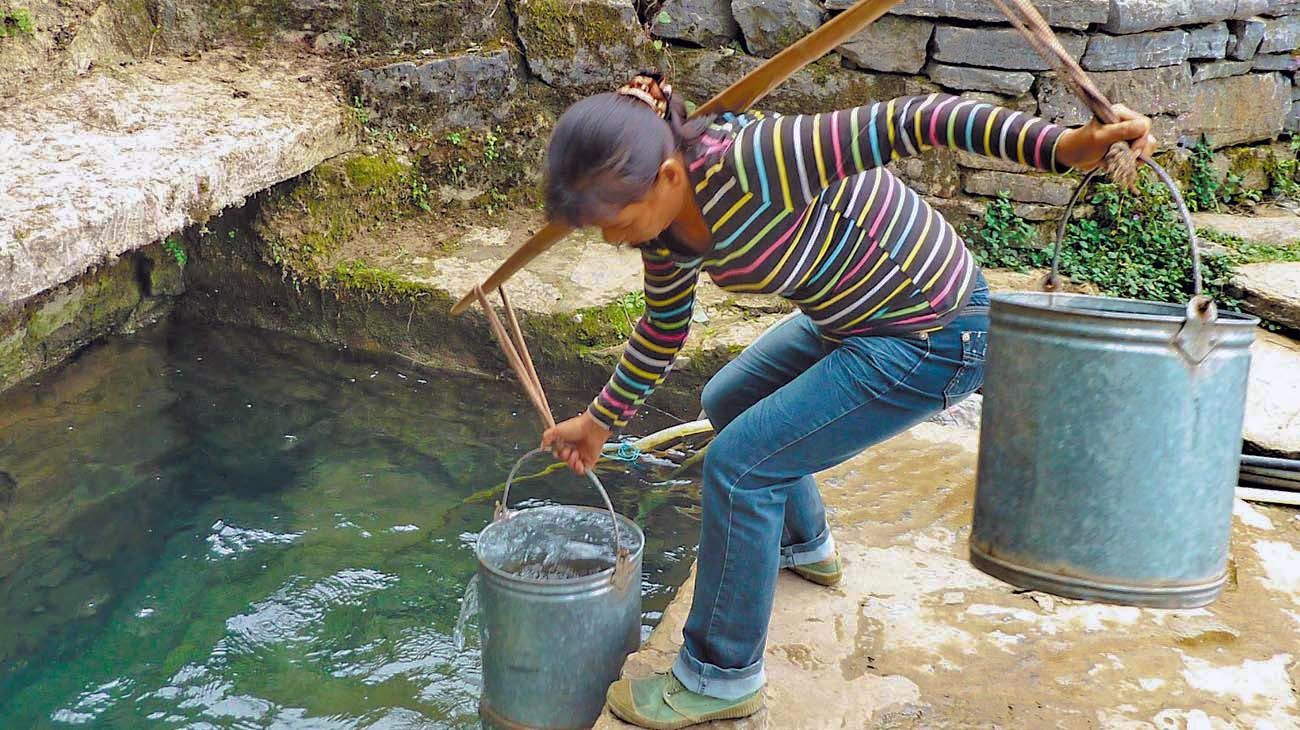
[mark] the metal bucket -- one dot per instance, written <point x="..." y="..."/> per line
<point x="552" y="645"/>
<point x="1110" y="440"/>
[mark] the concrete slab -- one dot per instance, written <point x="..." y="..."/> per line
<point x="917" y="638"/>
<point x="119" y="159"/>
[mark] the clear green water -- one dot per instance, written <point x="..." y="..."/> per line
<point x="228" y="529"/>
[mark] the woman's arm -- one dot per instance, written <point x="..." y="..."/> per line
<point x="810" y="152"/>
<point x="649" y="355"/>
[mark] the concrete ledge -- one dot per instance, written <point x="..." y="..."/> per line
<point x="120" y="159"/>
<point x="917" y="638"/>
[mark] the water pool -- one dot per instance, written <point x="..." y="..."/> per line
<point x="225" y="528"/>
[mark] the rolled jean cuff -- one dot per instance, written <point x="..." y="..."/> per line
<point x="711" y="681"/>
<point x="815" y="550"/>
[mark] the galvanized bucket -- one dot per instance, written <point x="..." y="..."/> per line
<point x="552" y="644"/>
<point x="1110" y="440"/>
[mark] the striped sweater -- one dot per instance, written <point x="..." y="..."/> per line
<point x="802" y="207"/>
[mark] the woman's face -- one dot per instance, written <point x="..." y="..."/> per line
<point x="646" y="218"/>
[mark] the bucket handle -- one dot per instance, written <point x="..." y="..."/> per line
<point x="1195" y="340"/>
<point x="622" y="563"/>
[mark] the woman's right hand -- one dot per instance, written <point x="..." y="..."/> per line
<point x="577" y="442"/>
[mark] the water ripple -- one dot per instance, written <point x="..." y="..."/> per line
<point x="227" y="540"/>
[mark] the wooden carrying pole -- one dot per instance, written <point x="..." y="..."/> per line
<point x="516" y="350"/>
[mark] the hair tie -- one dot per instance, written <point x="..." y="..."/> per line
<point x="649" y="87"/>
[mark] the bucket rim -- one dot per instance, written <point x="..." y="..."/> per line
<point x="603" y="576"/>
<point x="1041" y="302"/>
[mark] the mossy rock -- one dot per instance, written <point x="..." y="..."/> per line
<point x="585" y="46"/>
<point x="304" y="222"/>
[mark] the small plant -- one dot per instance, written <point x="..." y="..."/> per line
<point x="420" y="193"/>
<point x="1005" y="240"/>
<point x="360" y="112"/>
<point x="663" y="18"/>
<point x="456" y="138"/>
<point x="1202" y="191"/>
<point x="17" y="21"/>
<point x="173" y="246"/>
<point x="1135" y="246"/>
<point x="632" y="305"/>
<point x="1234" y="192"/>
<point x="491" y="153"/>
<point x="1284" y="174"/>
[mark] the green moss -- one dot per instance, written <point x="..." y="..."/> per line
<point x="375" y="283"/>
<point x="305" y="223"/>
<point x="374" y="173"/>
<point x="16" y="21"/>
<point x="552" y="29"/>
<point x="1241" y="251"/>
<point x="254" y="22"/>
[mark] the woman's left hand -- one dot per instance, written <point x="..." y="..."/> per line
<point x="1085" y="147"/>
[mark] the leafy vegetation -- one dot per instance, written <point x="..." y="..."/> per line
<point x="173" y="246"/>
<point x="1133" y="246"/>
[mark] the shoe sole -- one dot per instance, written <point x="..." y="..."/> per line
<point x="821" y="579"/>
<point x="735" y="712"/>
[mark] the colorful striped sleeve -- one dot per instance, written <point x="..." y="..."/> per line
<point x="656" y="339"/>
<point x="820" y="149"/>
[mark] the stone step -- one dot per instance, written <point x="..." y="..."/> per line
<point x="118" y="159"/>
<point x="1273" y="402"/>
<point x="1271" y="291"/>
<point x="1271" y="225"/>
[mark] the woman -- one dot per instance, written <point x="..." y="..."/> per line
<point x="892" y="330"/>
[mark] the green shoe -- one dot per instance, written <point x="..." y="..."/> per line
<point x="828" y="572"/>
<point x="662" y="703"/>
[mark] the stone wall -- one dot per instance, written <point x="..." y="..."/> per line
<point x="1219" y="70"/>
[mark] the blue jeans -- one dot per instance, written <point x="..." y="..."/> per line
<point x="791" y="405"/>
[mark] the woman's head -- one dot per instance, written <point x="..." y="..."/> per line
<point x="614" y="162"/>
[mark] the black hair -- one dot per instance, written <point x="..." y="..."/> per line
<point x="605" y="153"/>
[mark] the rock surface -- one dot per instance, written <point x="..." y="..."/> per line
<point x="1246" y="37"/>
<point x="1271" y="226"/>
<point x="1281" y="35"/>
<point x="113" y="162"/>
<point x="1271" y="291"/>
<point x="1051" y="190"/>
<point x="704" y="22"/>
<point x="1283" y="62"/>
<point x="1208" y="42"/>
<point x="1273" y="399"/>
<point x="582" y="46"/>
<point x="1220" y="70"/>
<point x="1134" y="16"/>
<point x="1140" y="50"/>
<point x="964" y="78"/>
<point x="1239" y="109"/>
<point x="769" y="26"/>
<point x="892" y="44"/>
<point x="1155" y="91"/>
<point x="1003" y="49"/>
<point x="468" y="90"/>
<point x="1075" y="14"/>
